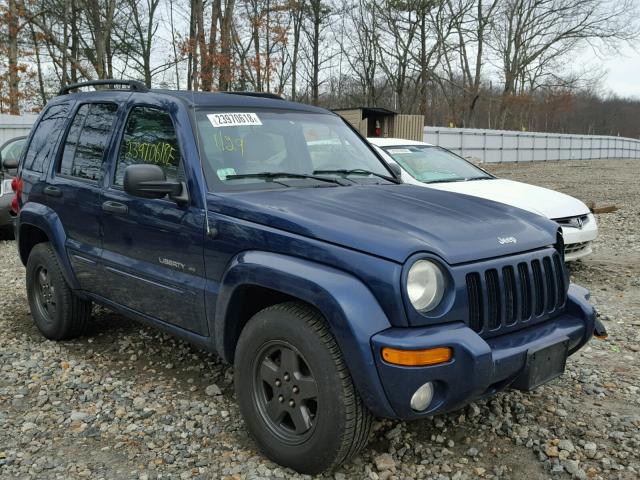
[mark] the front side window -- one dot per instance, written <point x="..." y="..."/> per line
<point x="431" y="164"/>
<point x="243" y="150"/>
<point x="149" y="137"/>
<point x="45" y="137"/>
<point x="87" y="141"/>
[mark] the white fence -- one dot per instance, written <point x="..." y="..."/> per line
<point x="496" y="146"/>
<point x="15" y="126"/>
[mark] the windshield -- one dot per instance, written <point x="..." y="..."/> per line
<point x="275" y="149"/>
<point x="431" y="164"/>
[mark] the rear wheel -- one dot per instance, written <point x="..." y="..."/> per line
<point x="295" y="392"/>
<point x="57" y="312"/>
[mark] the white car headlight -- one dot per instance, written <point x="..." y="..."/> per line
<point x="5" y="188"/>
<point x="425" y="285"/>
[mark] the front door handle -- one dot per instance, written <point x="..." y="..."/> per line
<point x="52" y="191"/>
<point x="115" y="207"/>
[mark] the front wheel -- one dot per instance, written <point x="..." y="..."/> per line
<point x="57" y="311"/>
<point x="295" y="392"/>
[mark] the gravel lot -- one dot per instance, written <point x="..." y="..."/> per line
<point x="128" y="402"/>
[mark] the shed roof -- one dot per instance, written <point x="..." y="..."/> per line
<point x="368" y="110"/>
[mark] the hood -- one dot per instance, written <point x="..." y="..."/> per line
<point x="394" y="221"/>
<point x="542" y="201"/>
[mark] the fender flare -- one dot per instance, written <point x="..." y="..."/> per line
<point x="578" y="305"/>
<point x="350" y="309"/>
<point x="47" y="220"/>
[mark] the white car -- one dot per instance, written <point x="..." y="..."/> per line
<point x="435" y="167"/>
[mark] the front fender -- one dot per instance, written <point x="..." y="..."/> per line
<point x="47" y="220"/>
<point x="352" y="312"/>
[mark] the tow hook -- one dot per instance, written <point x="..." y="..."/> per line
<point x="599" y="331"/>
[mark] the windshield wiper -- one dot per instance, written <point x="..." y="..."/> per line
<point x="273" y="175"/>
<point x="357" y="171"/>
<point x="448" y="180"/>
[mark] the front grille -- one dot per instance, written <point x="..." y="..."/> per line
<point x="510" y="295"/>
<point x="575" y="247"/>
<point x="493" y="298"/>
<point x="516" y="294"/>
<point x="538" y="294"/>
<point x="577" y="221"/>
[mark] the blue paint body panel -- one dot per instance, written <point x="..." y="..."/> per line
<point x="480" y="367"/>
<point x="345" y="250"/>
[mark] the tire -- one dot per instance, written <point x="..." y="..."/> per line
<point x="290" y="343"/>
<point x="57" y="312"/>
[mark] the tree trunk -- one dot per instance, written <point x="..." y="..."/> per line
<point x="174" y="45"/>
<point x="192" y="62"/>
<point x="424" y="77"/>
<point x="14" y="79"/>
<point x="36" y="48"/>
<point x="225" y="46"/>
<point x="297" y="9"/>
<point x="207" y="67"/>
<point x="315" y="49"/>
<point x="202" y="45"/>
<point x="256" y="45"/>
<point x="74" y="42"/>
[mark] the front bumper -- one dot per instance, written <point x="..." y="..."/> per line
<point x="577" y="241"/>
<point x="480" y="367"/>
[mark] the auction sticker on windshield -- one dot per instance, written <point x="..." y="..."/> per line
<point x="233" y="119"/>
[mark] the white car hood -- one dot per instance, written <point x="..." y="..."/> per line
<point x="542" y="201"/>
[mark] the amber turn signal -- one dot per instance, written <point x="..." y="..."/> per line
<point x="417" y="358"/>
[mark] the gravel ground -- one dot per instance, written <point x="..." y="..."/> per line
<point x="128" y="402"/>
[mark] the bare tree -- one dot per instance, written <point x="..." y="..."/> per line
<point x="472" y="23"/>
<point x="296" y="11"/>
<point x="317" y="15"/>
<point x="534" y="33"/>
<point x="360" y="49"/>
<point x="137" y="36"/>
<point x="13" y="27"/>
<point x="398" y="28"/>
<point x="226" y="31"/>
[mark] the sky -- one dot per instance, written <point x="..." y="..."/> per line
<point x="623" y="73"/>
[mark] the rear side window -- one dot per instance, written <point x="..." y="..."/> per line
<point x="87" y="141"/>
<point x="45" y="137"/>
<point x="149" y="137"/>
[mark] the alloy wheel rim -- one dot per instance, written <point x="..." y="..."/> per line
<point x="285" y="392"/>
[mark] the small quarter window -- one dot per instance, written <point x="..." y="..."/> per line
<point x="87" y="141"/>
<point x="149" y="137"/>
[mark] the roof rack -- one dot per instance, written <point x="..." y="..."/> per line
<point x="132" y="84"/>
<point x="257" y="94"/>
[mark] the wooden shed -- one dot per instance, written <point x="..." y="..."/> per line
<point x="381" y="122"/>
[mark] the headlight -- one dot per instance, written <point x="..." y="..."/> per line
<point x="5" y="188"/>
<point x="425" y="285"/>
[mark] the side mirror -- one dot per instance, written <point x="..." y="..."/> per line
<point x="9" y="163"/>
<point x="395" y="169"/>
<point x="149" y="181"/>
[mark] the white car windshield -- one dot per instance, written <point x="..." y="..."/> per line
<point x="276" y="148"/>
<point x="431" y="164"/>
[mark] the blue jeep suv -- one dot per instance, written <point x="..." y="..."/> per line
<point x="271" y="233"/>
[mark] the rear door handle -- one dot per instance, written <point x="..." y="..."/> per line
<point x="52" y="191"/>
<point x="115" y="207"/>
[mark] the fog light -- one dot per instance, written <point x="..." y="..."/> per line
<point x="422" y="397"/>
